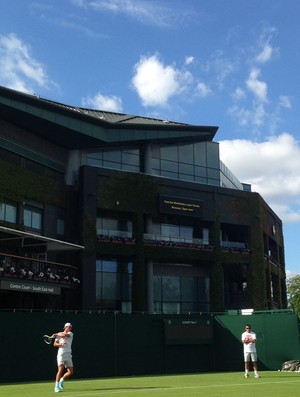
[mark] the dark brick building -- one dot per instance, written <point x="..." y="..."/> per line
<point x="108" y="211"/>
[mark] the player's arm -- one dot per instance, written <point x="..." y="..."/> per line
<point x="246" y="340"/>
<point x="61" y="335"/>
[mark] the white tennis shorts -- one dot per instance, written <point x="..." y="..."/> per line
<point x="247" y="357"/>
<point x="65" y="359"/>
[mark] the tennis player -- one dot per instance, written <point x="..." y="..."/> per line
<point x="249" y="341"/>
<point x="63" y="340"/>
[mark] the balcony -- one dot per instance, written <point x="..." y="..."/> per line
<point x="115" y="236"/>
<point x="234" y="247"/>
<point x="36" y="270"/>
<point x="160" y="240"/>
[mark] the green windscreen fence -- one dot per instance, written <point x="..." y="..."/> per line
<point x="277" y="338"/>
<point x="114" y="344"/>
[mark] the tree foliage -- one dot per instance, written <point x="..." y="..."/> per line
<point x="293" y="293"/>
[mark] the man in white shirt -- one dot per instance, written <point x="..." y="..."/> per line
<point x="249" y="342"/>
<point x="63" y="340"/>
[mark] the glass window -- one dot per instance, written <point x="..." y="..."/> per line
<point x="186" y="154"/>
<point x="131" y="157"/>
<point x="186" y="232"/>
<point x="189" y="289"/>
<point x="119" y="159"/>
<point x="203" y="289"/>
<point x="200" y="154"/>
<point x="60" y="227"/>
<point x="112" y="155"/>
<point x="188" y="162"/>
<point x="171" y="288"/>
<point x="200" y="171"/>
<point x="213" y="173"/>
<point x="213" y="155"/>
<point x="182" y="293"/>
<point x="186" y="169"/>
<point x="155" y="163"/>
<point x="96" y="155"/>
<point x="8" y="213"/>
<point x="169" y="153"/>
<point x="33" y="218"/>
<point x="157" y="295"/>
<point x="114" y="227"/>
<point x="170" y="230"/>
<point x="110" y="286"/>
<point x="186" y="177"/>
<point x="171" y="307"/>
<point x="167" y="165"/>
<point x="200" y="180"/>
<point x="171" y="175"/>
<point x="111" y="164"/>
<point x="98" y="266"/>
<point x="130" y="168"/>
<point x="113" y="284"/>
<point x="213" y="182"/>
<point x="109" y="266"/>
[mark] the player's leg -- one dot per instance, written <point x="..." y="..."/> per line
<point x="69" y="371"/>
<point x="254" y="363"/>
<point x="247" y="364"/>
<point x="59" y="375"/>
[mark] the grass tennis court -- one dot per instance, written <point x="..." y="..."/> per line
<point x="271" y="384"/>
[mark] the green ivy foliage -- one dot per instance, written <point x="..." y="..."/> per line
<point x="131" y="193"/>
<point x="257" y="269"/>
<point x="216" y="287"/>
<point x="136" y="194"/>
<point x="18" y="184"/>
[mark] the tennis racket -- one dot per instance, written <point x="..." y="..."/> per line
<point x="48" y="339"/>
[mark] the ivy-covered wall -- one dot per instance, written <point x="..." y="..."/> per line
<point x="18" y="184"/>
<point x="136" y="197"/>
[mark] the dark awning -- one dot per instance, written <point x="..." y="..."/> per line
<point x="35" y="240"/>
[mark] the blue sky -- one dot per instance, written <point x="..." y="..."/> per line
<point x="230" y="63"/>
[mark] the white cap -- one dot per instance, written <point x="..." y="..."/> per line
<point x="67" y="325"/>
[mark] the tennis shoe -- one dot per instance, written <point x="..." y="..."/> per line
<point x="256" y="376"/>
<point x="61" y="384"/>
<point x="246" y="376"/>
<point x="56" y="389"/>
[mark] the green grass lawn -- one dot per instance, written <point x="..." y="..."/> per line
<point x="271" y="384"/>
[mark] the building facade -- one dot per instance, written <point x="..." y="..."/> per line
<point x="115" y="212"/>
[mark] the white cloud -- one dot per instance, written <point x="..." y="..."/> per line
<point x="238" y="94"/>
<point x="271" y="167"/>
<point x="257" y="87"/>
<point x="189" y="60"/>
<point x="18" y="69"/>
<point x="285" y="102"/>
<point x="203" y="89"/>
<point x="265" y="55"/>
<point x="143" y="11"/>
<point x="267" y="51"/>
<point x="154" y="82"/>
<point x="221" y="67"/>
<point x="79" y="3"/>
<point x="102" y="102"/>
<point x="253" y="116"/>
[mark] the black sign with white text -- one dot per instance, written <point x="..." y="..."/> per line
<point x="180" y="206"/>
<point x="29" y="287"/>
